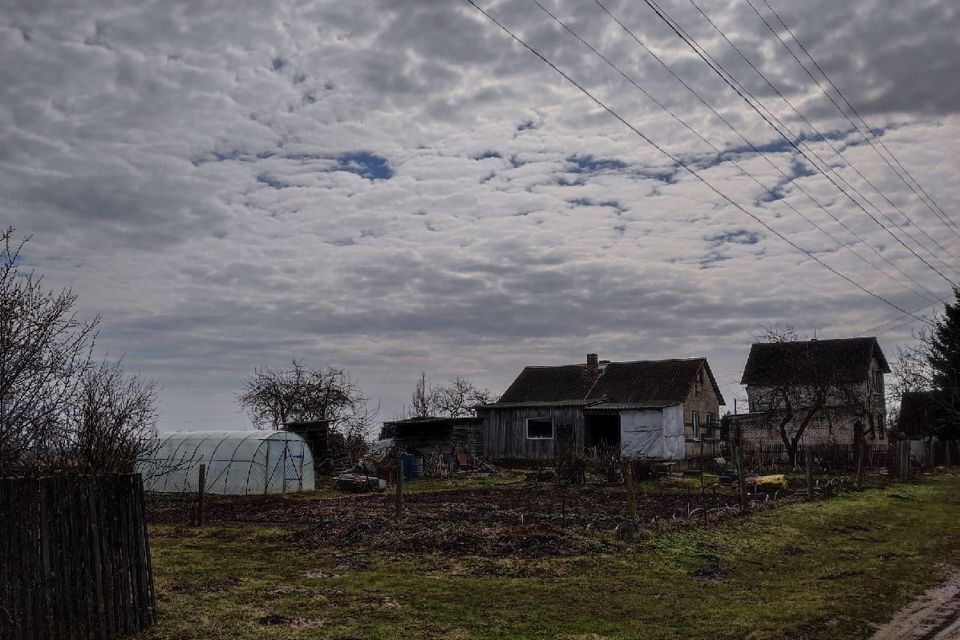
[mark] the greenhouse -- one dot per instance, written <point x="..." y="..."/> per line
<point x="236" y="463"/>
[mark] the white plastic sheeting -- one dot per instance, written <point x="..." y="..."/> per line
<point x="237" y="462"/>
<point x="653" y="433"/>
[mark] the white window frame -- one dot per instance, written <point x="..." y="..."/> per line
<point x="553" y="428"/>
<point x="695" y="423"/>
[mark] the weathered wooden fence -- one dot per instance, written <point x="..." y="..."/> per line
<point x="833" y="457"/>
<point x="74" y="558"/>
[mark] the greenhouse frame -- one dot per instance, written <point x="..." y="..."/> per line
<point x="237" y="463"/>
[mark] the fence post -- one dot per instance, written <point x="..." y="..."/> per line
<point x="201" y="490"/>
<point x="861" y="445"/>
<point x="399" y="488"/>
<point x="741" y="481"/>
<point x="808" y="454"/>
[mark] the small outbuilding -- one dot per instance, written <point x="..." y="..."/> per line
<point x="237" y="463"/>
<point x="317" y="435"/>
<point x="443" y="443"/>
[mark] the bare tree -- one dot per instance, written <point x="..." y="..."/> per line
<point x="809" y="393"/>
<point x="454" y="399"/>
<point x="421" y="400"/>
<point x="59" y="410"/>
<point x="458" y="397"/>
<point x="274" y="397"/>
<point x="112" y="425"/>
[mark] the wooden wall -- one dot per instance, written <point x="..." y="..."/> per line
<point x="505" y="431"/>
<point x="447" y="439"/>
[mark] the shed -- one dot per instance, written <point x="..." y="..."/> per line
<point x="317" y="435"/>
<point x="237" y="463"/>
<point x="441" y="441"/>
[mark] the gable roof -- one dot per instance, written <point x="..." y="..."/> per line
<point x="549" y="384"/>
<point x="809" y="361"/>
<point x="645" y="383"/>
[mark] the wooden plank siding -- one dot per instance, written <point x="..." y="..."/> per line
<point x="74" y="558"/>
<point x="504" y="434"/>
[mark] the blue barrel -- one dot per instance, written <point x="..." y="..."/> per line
<point x="408" y="466"/>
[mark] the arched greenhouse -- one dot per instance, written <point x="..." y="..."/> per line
<point x="237" y="463"/>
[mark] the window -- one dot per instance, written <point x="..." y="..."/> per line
<point x="695" y="422"/>
<point x="698" y="384"/>
<point x="711" y="426"/>
<point x="539" y="428"/>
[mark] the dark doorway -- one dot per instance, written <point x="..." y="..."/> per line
<point x="601" y="430"/>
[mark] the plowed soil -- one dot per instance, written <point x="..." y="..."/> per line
<point x="532" y="521"/>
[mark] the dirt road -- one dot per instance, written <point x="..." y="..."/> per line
<point x="933" y="616"/>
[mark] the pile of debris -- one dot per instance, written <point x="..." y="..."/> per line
<point x="363" y="477"/>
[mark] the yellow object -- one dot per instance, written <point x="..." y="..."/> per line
<point x="777" y="481"/>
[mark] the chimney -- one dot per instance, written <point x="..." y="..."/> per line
<point x="593" y="366"/>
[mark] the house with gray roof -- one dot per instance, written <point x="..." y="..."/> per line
<point x="813" y="391"/>
<point x="646" y="408"/>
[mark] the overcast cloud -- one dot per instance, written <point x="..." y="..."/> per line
<point x="394" y="186"/>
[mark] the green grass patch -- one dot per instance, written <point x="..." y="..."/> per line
<point x="819" y="570"/>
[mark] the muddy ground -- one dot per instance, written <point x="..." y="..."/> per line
<point x="933" y="616"/>
<point x="531" y="521"/>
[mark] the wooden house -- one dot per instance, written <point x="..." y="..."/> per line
<point x="647" y="409"/>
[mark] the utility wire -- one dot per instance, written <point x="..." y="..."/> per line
<point x="678" y="161"/>
<point x="758" y="106"/>
<point x="857" y="129"/>
<point x="902" y="173"/>
<point x="763" y="155"/>
<point x="826" y="140"/>
<point x="742" y="170"/>
<point x="900" y="322"/>
<point x="728" y="77"/>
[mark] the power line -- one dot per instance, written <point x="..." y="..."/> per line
<point x="857" y="129"/>
<point x="900" y="321"/>
<point x="763" y="155"/>
<point x="743" y="92"/>
<point x="728" y="78"/>
<point x="678" y="161"/>
<point x="932" y="204"/>
<point x="825" y="139"/>
<point x="720" y="153"/>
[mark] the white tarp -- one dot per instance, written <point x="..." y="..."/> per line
<point x="655" y="434"/>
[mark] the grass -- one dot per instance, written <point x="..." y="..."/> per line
<point x="821" y="570"/>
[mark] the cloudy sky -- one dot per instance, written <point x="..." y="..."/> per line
<point x="397" y="186"/>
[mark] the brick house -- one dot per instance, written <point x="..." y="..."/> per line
<point x="838" y="382"/>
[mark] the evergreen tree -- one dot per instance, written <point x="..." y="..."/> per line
<point x="944" y="359"/>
